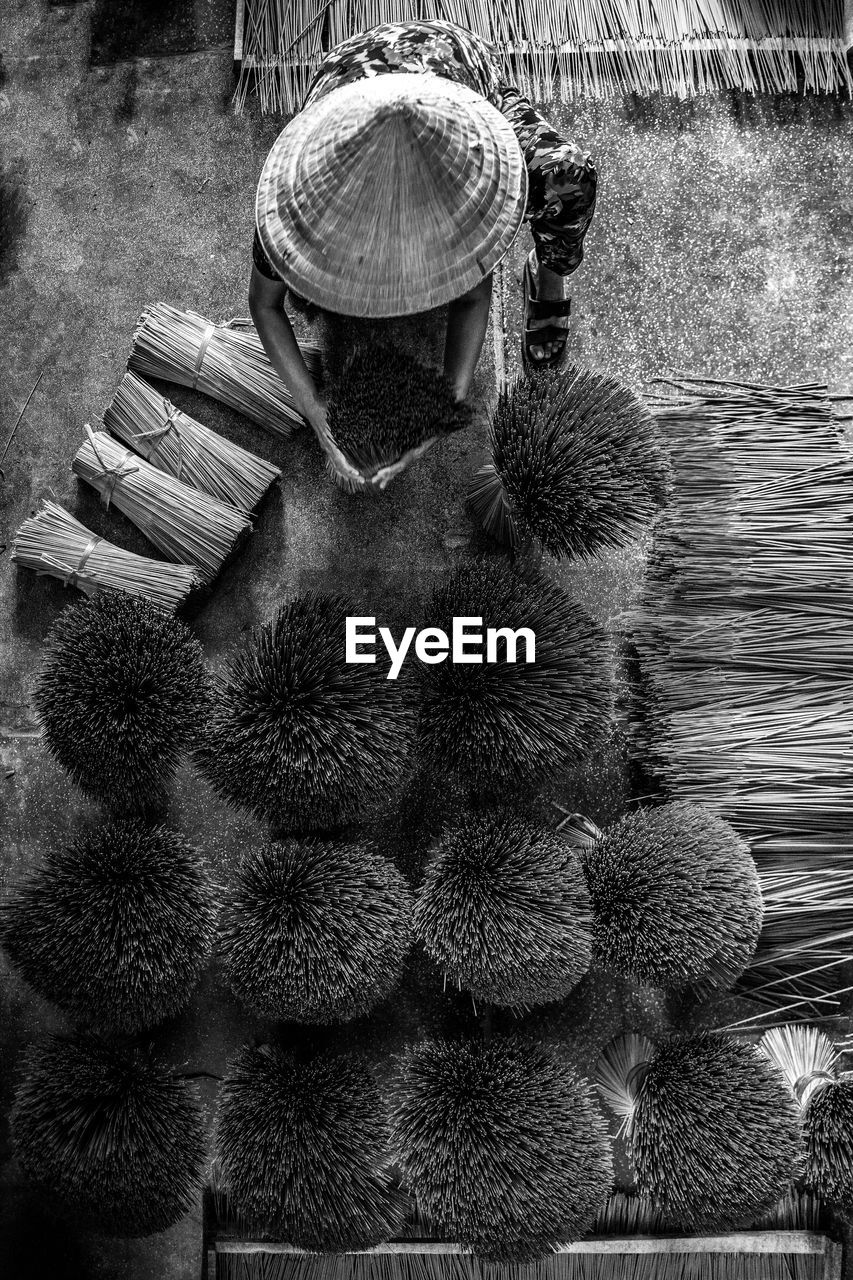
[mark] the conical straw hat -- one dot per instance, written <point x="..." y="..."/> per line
<point x="391" y="195"/>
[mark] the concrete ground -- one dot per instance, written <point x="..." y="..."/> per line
<point x="722" y="245"/>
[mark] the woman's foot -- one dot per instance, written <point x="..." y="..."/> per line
<point x="547" y="308"/>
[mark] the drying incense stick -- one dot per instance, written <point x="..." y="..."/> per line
<point x="797" y="1211"/>
<point x="186" y="525"/>
<point x="591" y="48"/>
<point x="174" y="442"/>
<point x="628" y="1214"/>
<point x="806" y="941"/>
<point x="226" y="362"/>
<point x="53" y="542"/>
<point x="743" y="632"/>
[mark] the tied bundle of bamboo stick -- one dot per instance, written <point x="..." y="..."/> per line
<point x="224" y="361"/>
<point x="176" y="443"/>
<point x="590" y="48"/>
<point x="743" y="633"/>
<point x="53" y="542"/>
<point x="187" y="526"/>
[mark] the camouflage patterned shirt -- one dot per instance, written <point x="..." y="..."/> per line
<point x="440" y="47"/>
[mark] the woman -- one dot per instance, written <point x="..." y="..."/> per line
<point x="452" y="77"/>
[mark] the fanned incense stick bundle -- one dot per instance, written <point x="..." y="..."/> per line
<point x="302" y="1148"/>
<point x="111" y="1133"/>
<point x="120" y="694"/>
<point x="296" y="734"/>
<point x="501" y="1145"/>
<point x="316" y="931"/>
<point x="511" y="722"/>
<point x="712" y="1128"/>
<point x="504" y="910"/>
<point x="115" y="927"/>
<point x="224" y="361"/>
<point x="53" y="542"/>
<point x="186" y="525"/>
<point x="590" y="48"/>
<point x="174" y="442"/>
<point x="743" y="633"/>
<point x="808" y="1059"/>
<point x="577" y="464"/>
<point x="676" y="899"/>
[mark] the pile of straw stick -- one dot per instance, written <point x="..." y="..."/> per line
<point x="53" y="542"/>
<point x="224" y="361"/>
<point x="590" y="48"/>
<point x="744" y="632"/>
<point x="176" y="443"/>
<point x="185" y="525"/>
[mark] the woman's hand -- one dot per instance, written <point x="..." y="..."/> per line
<point x="339" y="464"/>
<point x="266" y="301"/>
<point x="382" y="478"/>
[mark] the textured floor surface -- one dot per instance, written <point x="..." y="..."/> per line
<point x="722" y="245"/>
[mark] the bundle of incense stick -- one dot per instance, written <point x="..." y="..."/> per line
<point x="187" y="526"/>
<point x="590" y="48"/>
<point x="225" y="361"/>
<point x="743" y="632"/>
<point x="53" y="542"/>
<point x="174" y="442"/>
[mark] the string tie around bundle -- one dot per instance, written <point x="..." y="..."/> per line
<point x="202" y="352"/>
<point x="578" y="830"/>
<point x="635" y="1077"/>
<point x="112" y="474"/>
<point x="633" y="1085"/>
<point x="808" y="1084"/>
<point x="73" y="577"/>
<point x="169" y="424"/>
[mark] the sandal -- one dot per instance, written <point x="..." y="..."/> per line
<point x="552" y="309"/>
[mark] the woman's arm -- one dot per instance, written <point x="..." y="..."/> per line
<point x="266" y="298"/>
<point x="266" y="307"/>
<point x="467" y="320"/>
